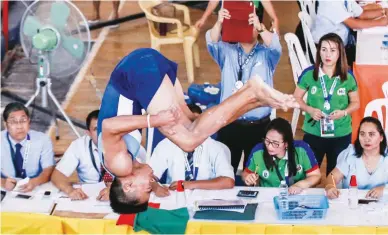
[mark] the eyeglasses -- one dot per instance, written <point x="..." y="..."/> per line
<point x="14" y="122"/>
<point x="274" y="144"/>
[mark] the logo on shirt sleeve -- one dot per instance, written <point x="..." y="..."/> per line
<point x="299" y="168"/>
<point x="313" y="90"/>
<point x="341" y="91"/>
<point x="265" y="174"/>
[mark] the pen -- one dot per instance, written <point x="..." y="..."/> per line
<point x="332" y="178"/>
<point x="256" y="172"/>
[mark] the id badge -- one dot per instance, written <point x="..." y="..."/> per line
<point x="327" y="127"/>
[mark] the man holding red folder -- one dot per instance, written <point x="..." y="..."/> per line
<point x="238" y="63"/>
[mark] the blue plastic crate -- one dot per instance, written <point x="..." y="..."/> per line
<point x="303" y="207"/>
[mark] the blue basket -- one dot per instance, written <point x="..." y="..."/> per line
<point x="303" y="207"/>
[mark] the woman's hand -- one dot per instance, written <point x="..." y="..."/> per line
<point x="293" y="190"/>
<point x="316" y="114"/>
<point x="337" y="114"/>
<point x="376" y="192"/>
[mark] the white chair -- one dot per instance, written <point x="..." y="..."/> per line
<point x="385" y="89"/>
<point x="308" y="6"/>
<point x="298" y="64"/>
<point x="307" y="23"/>
<point x="376" y="106"/>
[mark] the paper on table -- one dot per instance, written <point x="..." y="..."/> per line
<point x="34" y="205"/>
<point x="90" y="205"/>
<point x="20" y="183"/>
<point x="376" y="30"/>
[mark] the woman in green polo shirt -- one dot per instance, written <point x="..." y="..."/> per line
<point x="282" y="158"/>
<point x="332" y="97"/>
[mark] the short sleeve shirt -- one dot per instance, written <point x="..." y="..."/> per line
<point x="339" y="101"/>
<point x="305" y="163"/>
<point x="349" y="164"/>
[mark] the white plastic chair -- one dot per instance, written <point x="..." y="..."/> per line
<point x="298" y="64"/>
<point x="376" y="106"/>
<point x="308" y="6"/>
<point x="307" y="23"/>
<point x="385" y="89"/>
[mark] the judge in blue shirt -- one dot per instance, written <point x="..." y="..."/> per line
<point x="24" y="152"/>
<point x="239" y="63"/>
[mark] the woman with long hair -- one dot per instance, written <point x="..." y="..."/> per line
<point x="332" y="97"/>
<point x="280" y="158"/>
<point x="366" y="159"/>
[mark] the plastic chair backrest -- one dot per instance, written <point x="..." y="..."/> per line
<point x="376" y="106"/>
<point x="297" y="58"/>
<point x="307" y="23"/>
<point x="309" y="6"/>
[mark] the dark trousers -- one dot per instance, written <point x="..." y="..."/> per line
<point x="242" y="137"/>
<point x="332" y="147"/>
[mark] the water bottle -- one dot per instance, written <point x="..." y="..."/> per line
<point x="384" y="50"/>
<point x="352" y="193"/>
<point x="283" y="195"/>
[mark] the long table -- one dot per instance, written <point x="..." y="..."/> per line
<point x="339" y="218"/>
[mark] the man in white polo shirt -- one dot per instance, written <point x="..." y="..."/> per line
<point x="82" y="155"/>
<point x="208" y="167"/>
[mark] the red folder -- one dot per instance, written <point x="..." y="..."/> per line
<point x="237" y="28"/>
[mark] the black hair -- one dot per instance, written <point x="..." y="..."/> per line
<point x="383" y="145"/>
<point x="194" y="108"/>
<point x="13" y="107"/>
<point x="124" y="203"/>
<point x="92" y="115"/>
<point x="283" y="127"/>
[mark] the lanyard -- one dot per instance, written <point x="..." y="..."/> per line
<point x="94" y="160"/>
<point x="196" y="157"/>
<point x="289" y="180"/>
<point x="26" y="151"/>
<point x="242" y="65"/>
<point x="326" y="96"/>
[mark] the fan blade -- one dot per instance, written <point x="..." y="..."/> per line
<point x="31" y="26"/>
<point x="74" y="46"/>
<point x="59" y="14"/>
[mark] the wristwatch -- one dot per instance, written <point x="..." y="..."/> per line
<point x="261" y="30"/>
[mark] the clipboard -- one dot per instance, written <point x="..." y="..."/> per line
<point x="237" y="28"/>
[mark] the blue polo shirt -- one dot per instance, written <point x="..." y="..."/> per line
<point x="263" y="63"/>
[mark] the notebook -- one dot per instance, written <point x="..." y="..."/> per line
<point x="225" y="205"/>
<point x="237" y="28"/>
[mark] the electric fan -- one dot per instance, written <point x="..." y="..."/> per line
<point x="51" y="32"/>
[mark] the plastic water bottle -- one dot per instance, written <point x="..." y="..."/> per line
<point x="283" y="195"/>
<point x="352" y="193"/>
<point x="384" y="50"/>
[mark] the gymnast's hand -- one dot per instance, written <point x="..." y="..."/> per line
<point x="167" y="117"/>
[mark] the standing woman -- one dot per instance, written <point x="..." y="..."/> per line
<point x="332" y="97"/>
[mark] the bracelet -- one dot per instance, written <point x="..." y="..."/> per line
<point x="346" y="113"/>
<point x="148" y="121"/>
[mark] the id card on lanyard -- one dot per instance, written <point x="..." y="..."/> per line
<point x="327" y="125"/>
<point x="197" y="155"/>
<point x="25" y="156"/>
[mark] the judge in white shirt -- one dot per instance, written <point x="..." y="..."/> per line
<point x="210" y="167"/>
<point x="82" y="155"/>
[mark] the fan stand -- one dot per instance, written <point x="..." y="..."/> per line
<point x="43" y="84"/>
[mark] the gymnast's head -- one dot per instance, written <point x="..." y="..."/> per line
<point x="130" y="193"/>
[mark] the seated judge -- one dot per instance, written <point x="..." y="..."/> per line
<point x="280" y="158"/>
<point x="207" y="167"/>
<point x="367" y="159"/>
<point x="82" y="156"/>
<point x="24" y="152"/>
